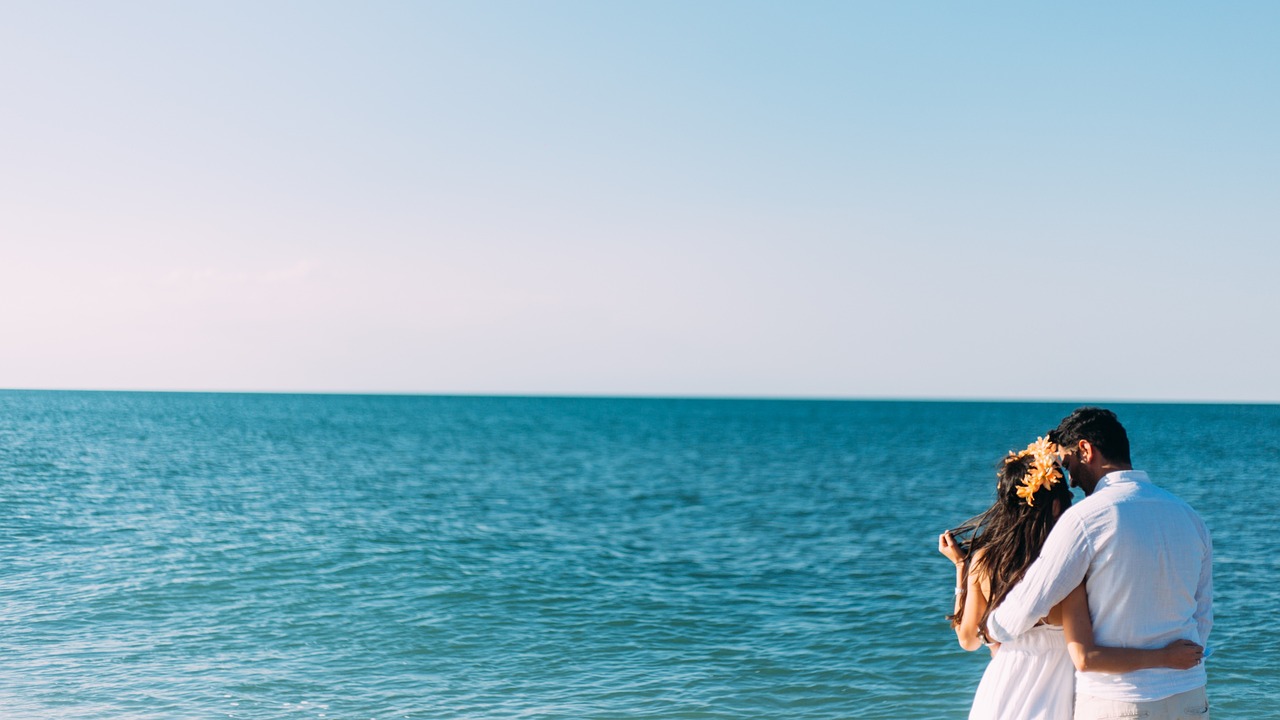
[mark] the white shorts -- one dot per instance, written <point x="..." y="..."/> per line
<point x="1190" y="705"/>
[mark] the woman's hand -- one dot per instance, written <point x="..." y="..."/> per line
<point x="948" y="546"/>
<point x="1181" y="654"/>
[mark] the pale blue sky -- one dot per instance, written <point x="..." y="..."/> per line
<point x="935" y="200"/>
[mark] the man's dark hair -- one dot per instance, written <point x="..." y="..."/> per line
<point x="1100" y="427"/>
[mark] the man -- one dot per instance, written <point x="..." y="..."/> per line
<point x="1147" y="559"/>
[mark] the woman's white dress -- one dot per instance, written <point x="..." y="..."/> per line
<point x="1030" y="678"/>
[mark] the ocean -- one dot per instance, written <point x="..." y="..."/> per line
<point x="382" y="557"/>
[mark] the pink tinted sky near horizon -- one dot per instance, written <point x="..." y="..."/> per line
<point x="739" y="199"/>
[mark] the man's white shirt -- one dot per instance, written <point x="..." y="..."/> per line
<point x="1148" y="560"/>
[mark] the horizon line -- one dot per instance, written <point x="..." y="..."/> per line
<point x="658" y="396"/>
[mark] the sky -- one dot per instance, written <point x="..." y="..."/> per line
<point x="747" y="199"/>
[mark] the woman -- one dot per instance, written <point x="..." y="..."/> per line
<point x="1033" y="676"/>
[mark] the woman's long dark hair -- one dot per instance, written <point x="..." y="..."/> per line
<point x="1010" y="533"/>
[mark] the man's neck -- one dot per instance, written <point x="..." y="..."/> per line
<point x="1104" y="470"/>
<point x="1108" y="468"/>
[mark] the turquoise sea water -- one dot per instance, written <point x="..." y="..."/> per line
<point x="260" y="556"/>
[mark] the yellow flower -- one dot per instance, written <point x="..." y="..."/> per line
<point x="1044" y="470"/>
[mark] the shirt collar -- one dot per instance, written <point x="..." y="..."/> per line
<point x="1121" y="476"/>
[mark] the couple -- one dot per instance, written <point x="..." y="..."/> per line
<point x="1097" y="610"/>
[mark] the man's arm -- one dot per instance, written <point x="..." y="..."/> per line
<point x="1060" y="568"/>
<point x="1204" y="591"/>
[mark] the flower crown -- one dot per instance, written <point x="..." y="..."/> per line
<point x="1044" y="468"/>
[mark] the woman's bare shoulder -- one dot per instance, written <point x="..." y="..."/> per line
<point x="979" y="573"/>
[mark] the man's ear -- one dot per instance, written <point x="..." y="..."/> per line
<point x="1087" y="452"/>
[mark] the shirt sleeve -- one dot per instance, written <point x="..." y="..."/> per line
<point x="1204" y="591"/>
<point x="1062" y="565"/>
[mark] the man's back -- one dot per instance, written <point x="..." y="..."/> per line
<point x="1149" y="580"/>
